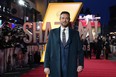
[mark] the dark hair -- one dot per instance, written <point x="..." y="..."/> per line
<point x="65" y="12"/>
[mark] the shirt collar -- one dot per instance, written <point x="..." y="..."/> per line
<point x="62" y="28"/>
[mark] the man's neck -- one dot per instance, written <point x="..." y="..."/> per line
<point x="64" y="27"/>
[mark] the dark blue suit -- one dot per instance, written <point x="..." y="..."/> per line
<point x="61" y="60"/>
<point x="64" y="58"/>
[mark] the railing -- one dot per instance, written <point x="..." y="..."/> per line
<point x="11" y="58"/>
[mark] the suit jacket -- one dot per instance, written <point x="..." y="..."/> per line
<point x="52" y="55"/>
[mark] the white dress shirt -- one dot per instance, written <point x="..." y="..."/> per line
<point x="66" y="33"/>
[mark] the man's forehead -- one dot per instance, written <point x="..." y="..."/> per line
<point x="63" y="15"/>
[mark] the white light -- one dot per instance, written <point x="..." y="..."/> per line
<point x="27" y="18"/>
<point x="0" y="16"/>
<point x="113" y="37"/>
<point x="21" y="2"/>
<point x="15" y="20"/>
<point x="38" y="27"/>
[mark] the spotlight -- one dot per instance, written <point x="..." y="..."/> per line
<point x="21" y="2"/>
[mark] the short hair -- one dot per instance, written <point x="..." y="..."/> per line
<point x="65" y="12"/>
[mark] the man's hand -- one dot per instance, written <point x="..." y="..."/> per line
<point x="47" y="71"/>
<point x="79" y="68"/>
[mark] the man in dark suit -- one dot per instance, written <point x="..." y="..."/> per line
<point x="64" y="56"/>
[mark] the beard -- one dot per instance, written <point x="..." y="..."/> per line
<point x="64" y="24"/>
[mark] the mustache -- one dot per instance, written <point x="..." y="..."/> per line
<point x="64" y="22"/>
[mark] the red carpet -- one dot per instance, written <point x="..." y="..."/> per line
<point x="93" y="68"/>
<point x="37" y="72"/>
<point x="99" y="68"/>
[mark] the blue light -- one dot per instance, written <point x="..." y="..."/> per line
<point x="13" y="25"/>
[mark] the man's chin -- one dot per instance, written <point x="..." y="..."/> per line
<point x="65" y="25"/>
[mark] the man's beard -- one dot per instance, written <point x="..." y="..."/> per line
<point x="64" y="24"/>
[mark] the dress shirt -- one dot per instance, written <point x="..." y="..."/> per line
<point x="66" y="32"/>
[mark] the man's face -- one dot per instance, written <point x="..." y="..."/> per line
<point x="64" y="20"/>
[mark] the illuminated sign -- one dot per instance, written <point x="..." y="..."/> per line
<point x="51" y="20"/>
<point x="92" y="29"/>
<point x="53" y="13"/>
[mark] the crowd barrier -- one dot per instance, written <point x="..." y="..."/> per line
<point x="13" y="57"/>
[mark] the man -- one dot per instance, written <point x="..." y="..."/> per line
<point x="64" y="56"/>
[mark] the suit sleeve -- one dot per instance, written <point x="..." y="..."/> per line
<point x="80" y="51"/>
<point x="47" y="53"/>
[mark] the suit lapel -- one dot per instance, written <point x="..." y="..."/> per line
<point x="58" y="35"/>
<point x="70" y="36"/>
